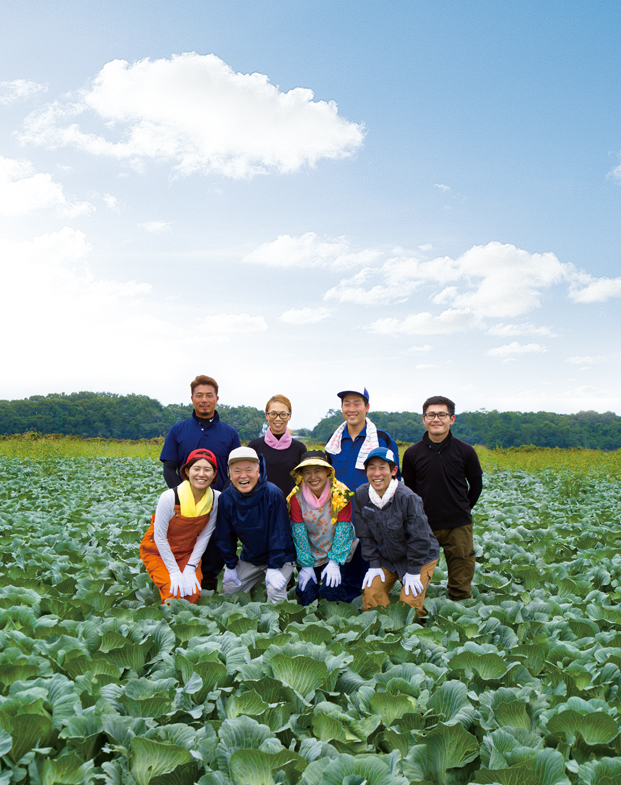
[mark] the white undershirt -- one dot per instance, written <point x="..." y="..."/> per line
<point x="163" y="513"/>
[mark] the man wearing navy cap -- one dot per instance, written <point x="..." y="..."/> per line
<point x="394" y="534"/>
<point x="352" y="441"/>
<point x="348" y="448"/>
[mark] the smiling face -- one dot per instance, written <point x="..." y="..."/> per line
<point x="204" y="400"/>
<point x="354" y="408"/>
<point x="316" y="478"/>
<point x="278" y="416"/>
<point x="244" y="475"/>
<point x="379" y="474"/>
<point x="200" y="475"/>
<point x="438" y="421"/>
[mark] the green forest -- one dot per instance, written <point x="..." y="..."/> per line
<point x="107" y="415"/>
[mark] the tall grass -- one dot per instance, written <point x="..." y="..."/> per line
<point x="530" y="459"/>
<point x="38" y="447"/>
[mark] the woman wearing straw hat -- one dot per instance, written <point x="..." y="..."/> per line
<point x="322" y="530"/>
<point x="184" y="520"/>
<point x="280" y="451"/>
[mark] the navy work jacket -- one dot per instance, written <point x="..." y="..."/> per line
<point x="259" y="519"/>
<point x="190" y="434"/>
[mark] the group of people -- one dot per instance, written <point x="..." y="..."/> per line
<point x="348" y="517"/>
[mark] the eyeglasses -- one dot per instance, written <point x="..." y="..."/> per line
<point x="278" y="415"/>
<point x="439" y="415"/>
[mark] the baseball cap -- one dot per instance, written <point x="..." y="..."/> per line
<point x="197" y="455"/>
<point x="355" y="391"/>
<point x="381" y="452"/>
<point x="243" y="454"/>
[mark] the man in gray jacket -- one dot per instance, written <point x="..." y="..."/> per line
<point x="394" y="535"/>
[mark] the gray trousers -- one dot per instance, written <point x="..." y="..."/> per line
<point x="250" y="575"/>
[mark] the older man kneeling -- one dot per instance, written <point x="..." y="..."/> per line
<point x="254" y="511"/>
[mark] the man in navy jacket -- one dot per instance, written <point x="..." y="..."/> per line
<point x="203" y="429"/>
<point x="254" y="511"/>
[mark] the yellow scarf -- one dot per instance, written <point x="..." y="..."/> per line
<point x="190" y="508"/>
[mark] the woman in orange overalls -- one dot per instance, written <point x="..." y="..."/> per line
<point x="184" y="520"/>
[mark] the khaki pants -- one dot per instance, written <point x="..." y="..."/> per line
<point x="378" y="592"/>
<point x="459" y="554"/>
<point x="250" y="575"/>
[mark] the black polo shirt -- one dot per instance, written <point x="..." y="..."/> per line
<point x="447" y="476"/>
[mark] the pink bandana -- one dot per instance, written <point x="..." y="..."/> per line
<point x="312" y="500"/>
<point x="276" y="443"/>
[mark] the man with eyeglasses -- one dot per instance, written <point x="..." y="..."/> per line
<point x="446" y="473"/>
<point x="203" y="429"/>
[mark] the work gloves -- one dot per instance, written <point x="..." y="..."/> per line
<point x="412" y="584"/>
<point x="305" y="575"/>
<point x="177" y="584"/>
<point x="275" y="578"/>
<point x="230" y="576"/>
<point x="372" y="572"/>
<point x="331" y="574"/>
<point x="191" y="583"/>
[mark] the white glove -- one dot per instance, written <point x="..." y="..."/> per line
<point x="230" y="576"/>
<point x="191" y="582"/>
<point x="177" y="584"/>
<point x="372" y="572"/>
<point x="412" y="583"/>
<point x="275" y="578"/>
<point x="305" y="575"/>
<point x="331" y="573"/>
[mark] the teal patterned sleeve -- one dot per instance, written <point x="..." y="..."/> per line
<point x="341" y="542"/>
<point x="302" y="545"/>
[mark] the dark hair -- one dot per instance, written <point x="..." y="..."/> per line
<point x="202" y="379"/>
<point x="439" y="400"/>
<point x="208" y="456"/>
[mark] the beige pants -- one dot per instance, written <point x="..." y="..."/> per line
<point x="250" y="575"/>
<point x="378" y="592"/>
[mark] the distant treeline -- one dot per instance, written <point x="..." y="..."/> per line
<point x="590" y="430"/>
<point x="112" y="416"/>
<point x="108" y="415"/>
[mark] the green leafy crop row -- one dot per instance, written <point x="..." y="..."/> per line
<point x="100" y="684"/>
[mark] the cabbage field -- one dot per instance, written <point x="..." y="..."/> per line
<point x="100" y="684"/>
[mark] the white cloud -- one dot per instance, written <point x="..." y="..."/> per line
<point x="196" y="112"/>
<point x="83" y="330"/>
<point x="425" y="348"/>
<point x="223" y="324"/>
<point x="309" y="250"/>
<point x="502" y="280"/>
<point x="111" y="202"/>
<point x="19" y="90"/>
<point x="586" y="360"/>
<point x="491" y="281"/>
<point x="23" y="190"/>
<point x="442" y="187"/>
<point x="595" y="290"/>
<point x="155" y="227"/>
<point x="449" y="321"/>
<point x="305" y="315"/>
<point x="513" y="348"/>
<point x="525" y="328"/>
<point x="424" y="366"/>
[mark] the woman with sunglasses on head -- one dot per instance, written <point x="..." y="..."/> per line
<point x="280" y="451"/>
<point x="184" y="520"/>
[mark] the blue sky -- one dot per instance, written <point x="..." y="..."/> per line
<point x="298" y="197"/>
